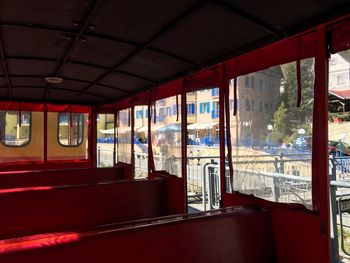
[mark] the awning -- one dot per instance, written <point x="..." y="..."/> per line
<point x="109" y="131"/>
<point x="342" y="94"/>
<point x="170" y="127"/>
<point x="201" y="126"/>
<point x="142" y="129"/>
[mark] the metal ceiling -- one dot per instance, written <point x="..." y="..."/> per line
<point x="108" y="49"/>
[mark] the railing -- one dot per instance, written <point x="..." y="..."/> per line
<point x="280" y="178"/>
<point x="340" y="207"/>
<point x="277" y="178"/>
<point x="141" y="165"/>
<point x="105" y="157"/>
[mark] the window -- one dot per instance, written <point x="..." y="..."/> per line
<point x="166" y="137"/>
<point x="105" y="140"/>
<point x="270" y="149"/>
<point x="124" y="137"/>
<point x="340" y="79"/>
<point x="162" y="114"/>
<point x="139" y="114"/>
<point x="191" y="108"/>
<point x="215" y="92"/>
<point x="168" y="111"/>
<point x="15" y="128"/>
<point x="173" y="109"/>
<point x="247" y="105"/>
<point x="266" y="107"/>
<point x="70" y="129"/>
<point x="215" y="112"/>
<point x="207" y="107"/>
<point x="140" y="145"/>
<point x="67" y="136"/>
<point x="204" y="107"/>
<point x="203" y="162"/>
<point x="201" y="107"/>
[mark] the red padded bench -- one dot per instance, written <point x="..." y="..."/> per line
<point x="17" y="179"/>
<point x="231" y="235"/>
<point x="44" y="209"/>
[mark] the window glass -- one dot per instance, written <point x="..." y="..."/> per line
<point x="16" y="128"/>
<point x="339" y="145"/>
<point x="140" y="141"/>
<point x="21" y="141"/>
<point x="124" y="137"/>
<point x="271" y="137"/>
<point x="67" y="136"/>
<point x="339" y="115"/>
<point x="203" y="151"/>
<point x="105" y="140"/>
<point x="166" y="137"/>
<point x="71" y="128"/>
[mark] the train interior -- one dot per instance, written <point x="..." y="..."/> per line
<point x="174" y="131"/>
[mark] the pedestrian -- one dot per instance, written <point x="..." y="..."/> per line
<point x="198" y="157"/>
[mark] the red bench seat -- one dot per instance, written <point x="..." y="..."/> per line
<point x="34" y="210"/>
<point x="16" y="179"/>
<point x="229" y="235"/>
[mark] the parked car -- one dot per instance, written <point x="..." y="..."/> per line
<point x="334" y="148"/>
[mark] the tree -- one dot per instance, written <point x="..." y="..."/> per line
<point x="289" y="118"/>
<point x="281" y="123"/>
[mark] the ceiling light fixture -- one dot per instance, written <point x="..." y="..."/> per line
<point x="53" y="80"/>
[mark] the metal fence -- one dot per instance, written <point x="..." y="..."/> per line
<point x="340" y="207"/>
<point x="280" y="178"/>
<point x="105" y="157"/>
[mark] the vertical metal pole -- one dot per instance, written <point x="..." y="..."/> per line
<point x="276" y="181"/>
<point x="114" y="138"/>
<point x="204" y="188"/>
<point x="45" y="135"/>
<point x="98" y="156"/>
<point x="184" y="141"/>
<point x="334" y="239"/>
<point x="341" y="155"/>
<point x="281" y="168"/>
<point x="132" y="143"/>
<point x="222" y="136"/>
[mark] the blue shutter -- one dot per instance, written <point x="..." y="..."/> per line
<point x="201" y="108"/>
